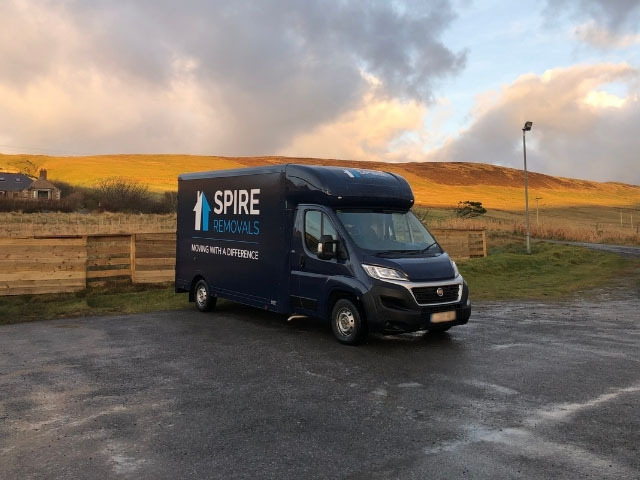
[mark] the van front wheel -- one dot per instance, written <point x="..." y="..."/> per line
<point x="347" y="323"/>
<point x="204" y="301"/>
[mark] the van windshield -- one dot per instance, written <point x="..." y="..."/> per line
<point x="388" y="231"/>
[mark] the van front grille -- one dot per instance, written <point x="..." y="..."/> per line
<point x="426" y="295"/>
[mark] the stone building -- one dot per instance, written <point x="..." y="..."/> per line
<point x="19" y="185"/>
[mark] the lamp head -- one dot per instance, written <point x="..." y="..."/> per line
<point x="527" y="126"/>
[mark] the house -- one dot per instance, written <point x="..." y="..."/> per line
<point x="19" y="185"/>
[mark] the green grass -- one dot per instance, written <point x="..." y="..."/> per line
<point x="120" y="300"/>
<point x="550" y="272"/>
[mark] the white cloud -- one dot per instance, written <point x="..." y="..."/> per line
<point x="366" y="132"/>
<point x="600" y="99"/>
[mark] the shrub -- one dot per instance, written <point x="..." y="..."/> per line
<point x="169" y="202"/>
<point x="121" y="195"/>
<point x="469" y="209"/>
<point x="26" y="205"/>
<point x="112" y="195"/>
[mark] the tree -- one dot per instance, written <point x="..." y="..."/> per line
<point x="469" y="209"/>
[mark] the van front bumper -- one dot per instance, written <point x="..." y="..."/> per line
<point x="392" y="308"/>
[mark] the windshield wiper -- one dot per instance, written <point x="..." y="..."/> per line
<point x="428" y="247"/>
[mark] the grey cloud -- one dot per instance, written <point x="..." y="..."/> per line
<point x="605" y="19"/>
<point x="602" y="38"/>
<point x="271" y="69"/>
<point x="398" y="42"/>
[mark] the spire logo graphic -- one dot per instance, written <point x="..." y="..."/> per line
<point x="202" y="210"/>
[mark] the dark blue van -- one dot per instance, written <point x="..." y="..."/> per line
<point x="330" y="242"/>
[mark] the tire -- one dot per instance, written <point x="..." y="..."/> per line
<point x="202" y="297"/>
<point x="347" y="323"/>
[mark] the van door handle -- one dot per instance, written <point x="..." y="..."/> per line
<point x="301" y="261"/>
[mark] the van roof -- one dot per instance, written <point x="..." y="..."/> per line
<point x="334" y="186"/>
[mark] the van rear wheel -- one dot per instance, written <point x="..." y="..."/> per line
<point x="347" y="323"/>
<point x="204" y="301"/>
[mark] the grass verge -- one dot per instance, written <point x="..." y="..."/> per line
<point x="120" y="300"/>
<point x="550" y="272"/>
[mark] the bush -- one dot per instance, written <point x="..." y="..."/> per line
<point x="121" y="195"/>
<point x="26" y="205"/>
<point x="169" y="202"/>
<point x="469" y="209"/>
<point x="82" y="198"/>
<point x="112" y="195"/>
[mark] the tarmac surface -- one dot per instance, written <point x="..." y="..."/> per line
<point x="525" y="390"/>
<point x="624" y="250"/>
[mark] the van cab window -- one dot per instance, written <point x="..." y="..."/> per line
<point x="317" y="224"/>
<point x="388" y="231"/>
<point x="327" y="227"/>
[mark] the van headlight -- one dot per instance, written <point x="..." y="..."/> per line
<point x="455" y="268"/>
<point x="384" y="273"/>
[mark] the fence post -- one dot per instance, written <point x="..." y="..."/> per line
<point x="132" y="252"/>
<point x="86" y="258"/>
<point x="484" y="242"/>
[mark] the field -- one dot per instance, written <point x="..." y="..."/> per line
<point x="567" y="209"/>
<point x="593" y="224"/>
<point x="54" y="223"/>
<point x="434" y="184"/>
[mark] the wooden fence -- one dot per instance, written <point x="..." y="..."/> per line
<point x="69" y="264"/>
<point x="73" y="224"/>
<point x="42" y="265"/>
<point x="462" y="244"/>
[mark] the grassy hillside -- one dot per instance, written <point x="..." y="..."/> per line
<point x="434" y="184"/>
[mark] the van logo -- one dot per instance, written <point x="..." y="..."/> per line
<point x="440" y="291"/>
<point x="202" y="210"/>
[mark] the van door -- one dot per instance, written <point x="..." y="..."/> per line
<point x="310" y="274"/>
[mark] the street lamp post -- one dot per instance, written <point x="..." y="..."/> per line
<point x="537" y="198"/>
<point x="526" y="128"/>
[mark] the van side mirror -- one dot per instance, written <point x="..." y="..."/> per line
<point x="327" y="247"/>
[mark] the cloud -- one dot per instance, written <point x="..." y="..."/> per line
<point x="377" y="129"/>
<point x="605" y="39"/>
<point x="609" y="24"/>
<point x="234" y="78"/>
<point x="579" y="129"/>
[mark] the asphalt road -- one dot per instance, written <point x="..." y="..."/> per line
<point x="525" y="390"/>
<point x="624" y="250"/>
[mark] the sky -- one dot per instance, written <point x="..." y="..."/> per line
<point x="392" y="81"/>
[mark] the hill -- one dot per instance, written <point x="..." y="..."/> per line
<point x="434" y="184"/>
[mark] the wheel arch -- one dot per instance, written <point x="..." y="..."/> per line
<point x="339" y="292"/>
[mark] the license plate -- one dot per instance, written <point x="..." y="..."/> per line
<point x="443" y="316"/>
